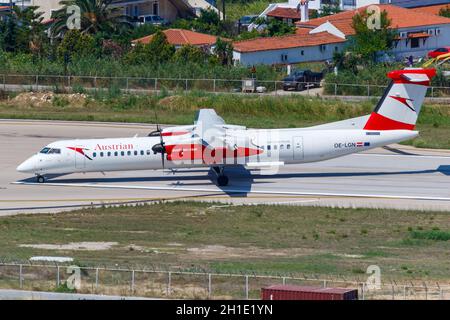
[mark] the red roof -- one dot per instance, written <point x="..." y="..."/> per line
<point x="432" y="9"/>
<point x="179" y="37"/>
<point x="286" y="13"/>
<point x="286" y="42"/>
<point x="400" y="18"/>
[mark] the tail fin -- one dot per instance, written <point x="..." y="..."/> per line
<point x="400" y="105"/>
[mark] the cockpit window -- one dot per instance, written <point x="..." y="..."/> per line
<point x="55" y="151"/>
<point x="51" y="151"/>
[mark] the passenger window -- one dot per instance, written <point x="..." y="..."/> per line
<point x="116" y="154"/>
<point x="281" y="146"/>
<point x="135" y="153"/>
<point x="122" y="153"/>
<point x="101" y="154"/>
<point x="142" y="152"/>
<point x="268" y="147"/>
<point x="288" y="146"/>
<point x="94" y="154"/>
<point x="109" y="154"/>
<point x="129" y="153"/>
<point x="275" y="147"/>
<point x="148" y="152"/>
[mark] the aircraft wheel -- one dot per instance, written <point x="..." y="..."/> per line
<point x="40" y="179"/>
<point x="222" y="181"/>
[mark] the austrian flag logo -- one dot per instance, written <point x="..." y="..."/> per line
<point x="80" y="151"/>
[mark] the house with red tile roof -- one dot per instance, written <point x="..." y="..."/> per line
<point x="289" y="49"/>
<point x="318" y="39"/>
<point x="181" y="37"/>
<point x="418" y="31"/>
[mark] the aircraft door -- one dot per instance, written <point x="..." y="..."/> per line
<point x="80" y="159"/>
<point x="297" y="144"/>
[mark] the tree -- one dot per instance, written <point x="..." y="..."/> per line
<point x="277" y="27"/>
<point x="96" y="16"/>
<point x="367" y="42"/>
<point x="445" y="12"/>
<point x="23" y="31"/>
<point x="75" y="45"/>
<point x="330" y="9"/>
<point x="224" y="52"/>
<point x="190" y="53"/>
<point x="158" y="51"/>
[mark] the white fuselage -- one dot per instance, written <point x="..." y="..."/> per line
<point x="278" y="146"/>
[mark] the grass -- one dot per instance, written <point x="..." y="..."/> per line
<point x="252" y="111"/>
<point x="260" y="239"/>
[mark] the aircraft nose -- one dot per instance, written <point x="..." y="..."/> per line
<point x="27" y="166"/>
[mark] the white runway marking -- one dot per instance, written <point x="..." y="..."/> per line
<point x="231" y="190"/>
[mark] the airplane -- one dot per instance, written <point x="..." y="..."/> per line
<point x="210" y="142"/>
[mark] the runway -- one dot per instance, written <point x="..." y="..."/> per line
<point x="408" y="178"/>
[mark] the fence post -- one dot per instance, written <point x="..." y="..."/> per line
<point x="4" y="82"/>
<point x="362" y="291"/>
<point x="432" y="92"/>
<point x="37" y="82"/>
<point x="214" y="85"/>
<point x="404" y="292"/>
<point x="96" y="279"/>
<point x="335" y="89"/>
<point x="284" y="281"/>
<point x="441" y="294"/>
<point x="68" y="82"/>
<point x="128" y="86"/>
<point x="132" y="281"/>
<point x="368" y="90"/>
<point x="156" y="84"/>
<point x="393" y="292"/>
<point x="209" y="286"/>
<point x="20" y="277"/>
<point x="57" y="277"/>
<point x="169" y="280"/>
<point x="246" y="287"/>
<point x="307" y="88"/>
<point x="324" y="283"/>
<point x="186" y="85"/>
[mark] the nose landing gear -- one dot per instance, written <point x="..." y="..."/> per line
<point x="40" y="179"/>
<point x="222" y="179"/>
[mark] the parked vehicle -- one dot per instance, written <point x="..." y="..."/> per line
<point x="151" y="19"/>
<point x="438" y="52"/>
<point x="292" y="292"/>
<point x="301" y="79"/>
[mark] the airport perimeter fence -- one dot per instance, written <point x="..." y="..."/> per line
<point x="57" y="83"/>
<point x="193" y="285"/>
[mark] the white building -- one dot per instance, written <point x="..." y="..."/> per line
<point x="290" y="49"/>
<point x="418" y="32"/>
<point x="317" y="39"/>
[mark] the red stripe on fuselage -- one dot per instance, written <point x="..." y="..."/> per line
<point x="185" y="152"/>
<point x="379" y="122"/>
<point x="174" y="133"/>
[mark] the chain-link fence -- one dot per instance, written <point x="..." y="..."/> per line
<point x="191" y="285"/>
<point x="18" y="83"/>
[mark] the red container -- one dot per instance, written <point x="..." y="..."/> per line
<point x="291" y="292"/>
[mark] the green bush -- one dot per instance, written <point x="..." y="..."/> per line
<point x="75" y="44"/>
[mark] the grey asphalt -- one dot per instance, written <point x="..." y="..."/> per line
<point x="401" y="178"/>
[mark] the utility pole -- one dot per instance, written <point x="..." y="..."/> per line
<point x="223" y="9"/>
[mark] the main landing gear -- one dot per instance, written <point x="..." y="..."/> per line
<point x="40" y="179"/>
<point x="222" y="179"/>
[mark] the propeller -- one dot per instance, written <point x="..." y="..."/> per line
<point x="160" y="147"/>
